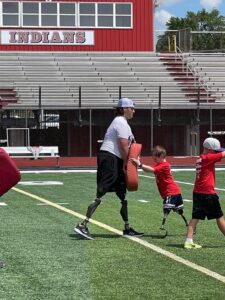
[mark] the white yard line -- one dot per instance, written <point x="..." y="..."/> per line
<point x="94" y="170"/>
<point x="134" y="239"/>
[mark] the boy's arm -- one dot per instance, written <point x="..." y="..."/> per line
<point x="142" y="166"/>
<point x="223" y="154"/>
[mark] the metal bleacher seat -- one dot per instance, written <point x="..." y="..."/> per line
<point x="98" y="73"/>
<point x="211" y="66"/>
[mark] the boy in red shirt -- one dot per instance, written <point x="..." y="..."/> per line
<point x="205" y="200"/>
<point x="168" y="188"/>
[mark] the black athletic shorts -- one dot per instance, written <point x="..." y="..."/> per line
<point x="206" y="205"/>
<point x="110" y="175"/>
<point x="174" y="202"/>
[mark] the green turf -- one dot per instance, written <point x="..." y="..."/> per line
<point x="45" y="259"/>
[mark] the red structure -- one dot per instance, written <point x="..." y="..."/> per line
<point x="71" y="25"/>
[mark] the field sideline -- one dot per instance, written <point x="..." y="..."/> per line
<point x="113" y="268"/>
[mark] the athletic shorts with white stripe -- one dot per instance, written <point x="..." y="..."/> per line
<point x="173" y="202"/>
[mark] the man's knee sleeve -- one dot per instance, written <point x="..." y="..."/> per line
<point x="123" y="210"/>
<point x="92" y="207"/>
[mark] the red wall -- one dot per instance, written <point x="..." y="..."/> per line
<point x="139" y="38"/>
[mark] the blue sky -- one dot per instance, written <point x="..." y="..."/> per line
<point x="179" y="8"/>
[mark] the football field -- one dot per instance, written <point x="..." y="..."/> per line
<point x="43" y="258"/>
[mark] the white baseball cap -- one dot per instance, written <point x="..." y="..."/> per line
<point x="125" y="102"/>
<point x="213" y="144"/>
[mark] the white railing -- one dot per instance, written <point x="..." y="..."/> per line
<point x="199" y="81"/>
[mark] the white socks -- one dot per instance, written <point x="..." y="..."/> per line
<point x="189" y="240"/>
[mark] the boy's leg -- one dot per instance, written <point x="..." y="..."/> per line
<point x="174" y="202"/>
<point x="166" y="212"/>
<point x="168" y="204"/>
<point x="198" y="213"/>
<point x="215" y="212"/>
<point x="181" y="213"/>
<point x="221" y="224"/>
<point x="191" y="228"/>
<point x="179" y="206"/>
<point x="190" y="232"/>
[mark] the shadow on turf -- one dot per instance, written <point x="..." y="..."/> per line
<point x="180" y="246"/>
<point x="204" y="246"/>
<point x="156" y="236"/>
<point x="212" y="247"/>
<point x="161" y="235"/>
<point x="75" y="236"/>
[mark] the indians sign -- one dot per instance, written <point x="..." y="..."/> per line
<point x="47" y="37"/>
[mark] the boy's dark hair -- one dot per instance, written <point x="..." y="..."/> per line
<point x="159" y="151"/>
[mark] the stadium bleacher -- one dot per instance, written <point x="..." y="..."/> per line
<point x="99" y="74"/>
<point x="196" y="87"/>
<point x="211" y="67"/>
<point x="7" y="95"/>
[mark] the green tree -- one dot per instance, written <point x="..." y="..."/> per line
<point x="200" y="21"/>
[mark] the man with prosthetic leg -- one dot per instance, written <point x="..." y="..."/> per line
<point x="111" y="166"/>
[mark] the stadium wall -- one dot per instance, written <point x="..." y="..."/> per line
<point x="138" y="37"/>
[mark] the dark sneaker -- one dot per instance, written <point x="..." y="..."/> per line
<point x="83" y="230"/>
<point x="132" y="232"/>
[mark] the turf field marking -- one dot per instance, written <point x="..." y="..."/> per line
<point x="187" y="200"/>
<point x="77" y="170"/>
<point x="134" y="239"/>
<point x="58" y="171"/>
<point x="45" y="204"/>
<point x="40" y="182"/>
<point x="143" y="201"/>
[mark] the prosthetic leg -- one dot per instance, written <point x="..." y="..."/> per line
<point x="166" y="212"/>
<point x="91" y="209"/>
<point x="82" y="228"/>
<point x="121" y="194"/>
<point x="181" y="213"/>
<point x="128" y="231"/>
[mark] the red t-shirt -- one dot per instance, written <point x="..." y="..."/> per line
<point x="205" y="173"/>
<point x="165" y="181"/>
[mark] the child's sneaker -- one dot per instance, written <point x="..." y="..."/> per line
<point x="191" y="245"/>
